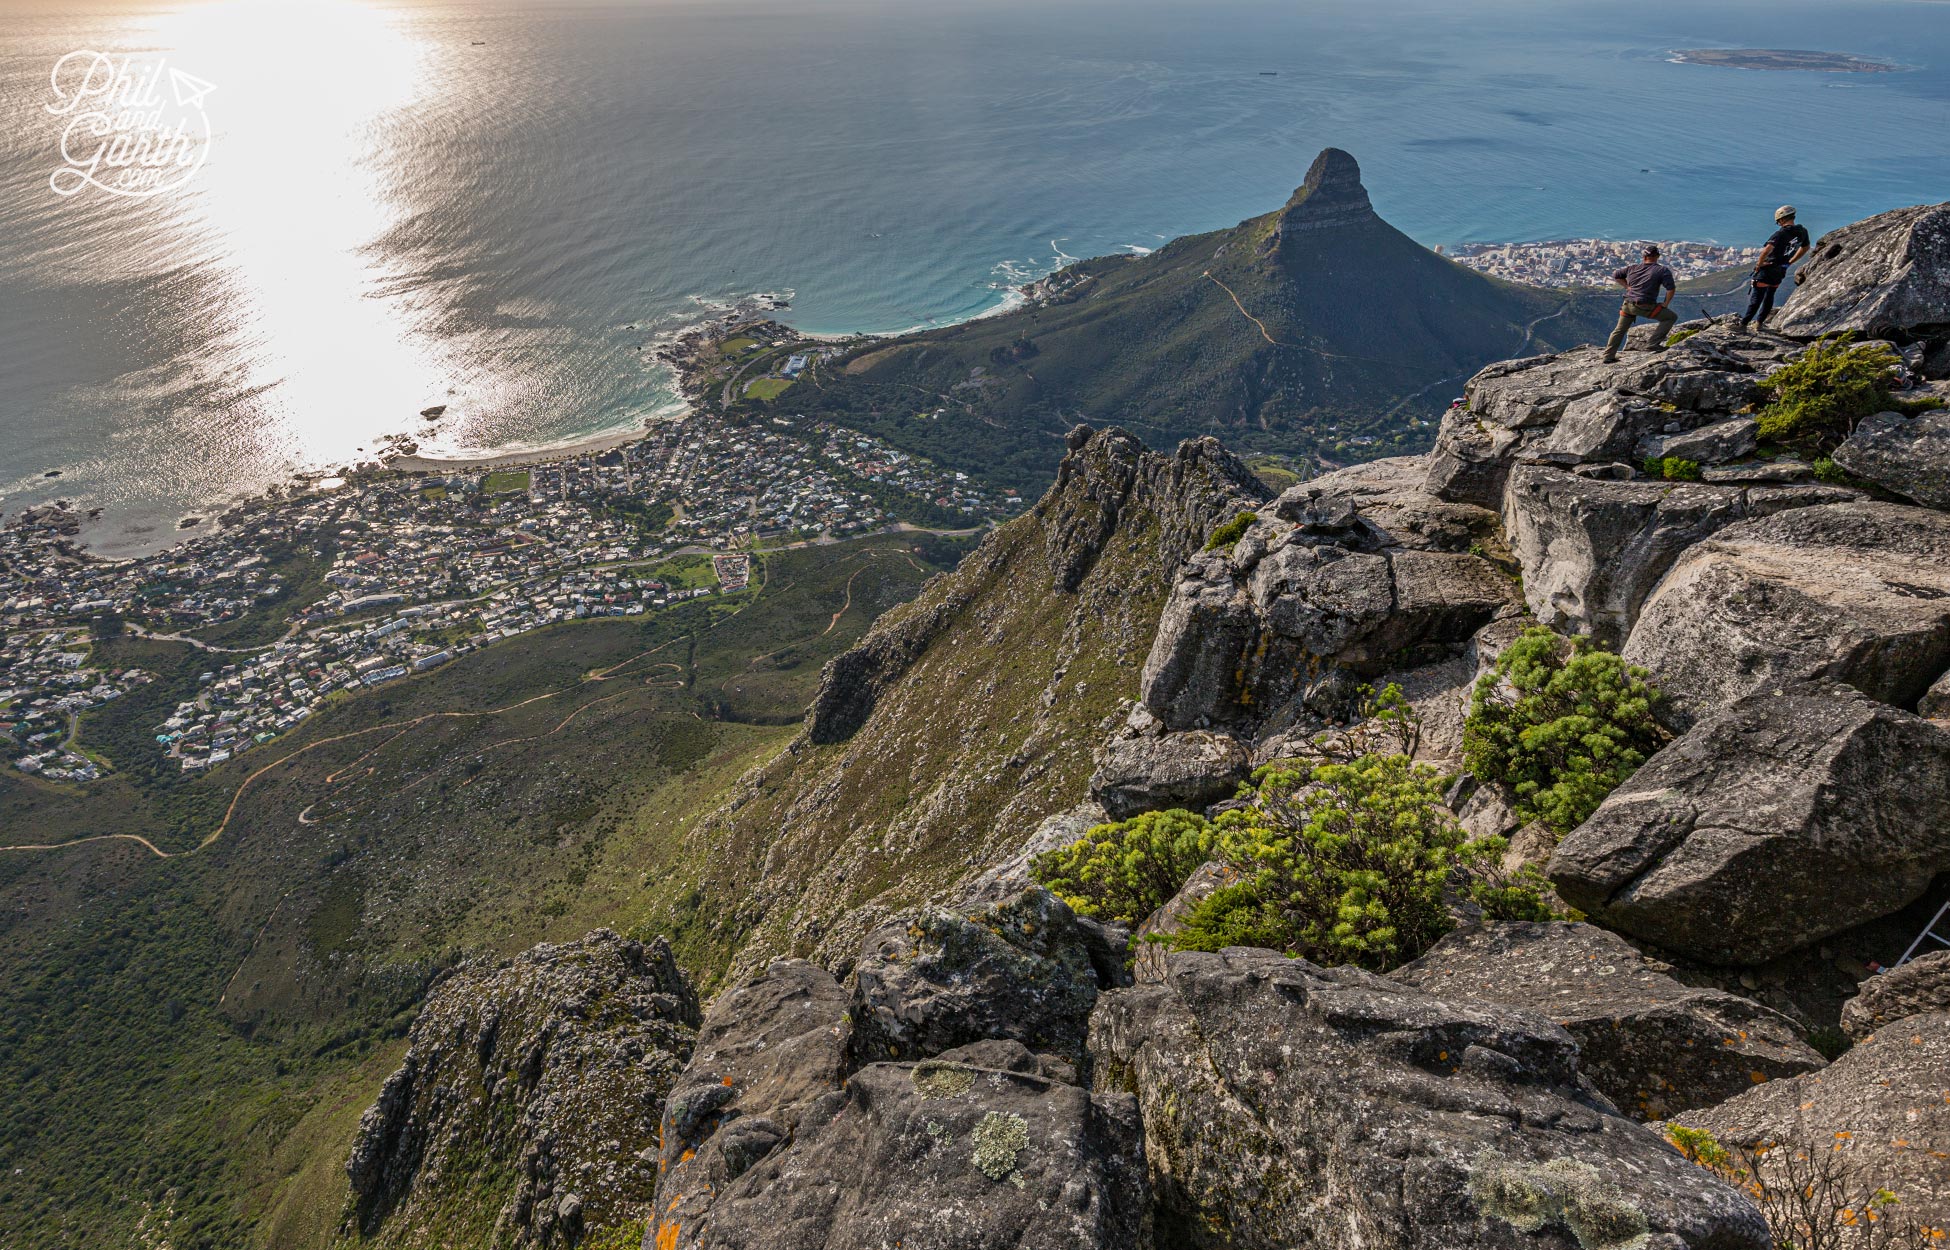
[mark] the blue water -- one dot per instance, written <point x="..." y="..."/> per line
<point x="394" y="215"/>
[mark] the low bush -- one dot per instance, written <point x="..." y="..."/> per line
<point x="1350" y="858"/>
<point x="1562" y="722"/>
<point x="1352" y="863"/>
<point x="1231" y="532"/>
<point x="1816" y="401"/>
<point x="1811" y="1199"/>
<point x="1673" y="468"/>
<point x="1127" y="870"/>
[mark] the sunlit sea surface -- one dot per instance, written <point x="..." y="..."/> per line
<point x="499" y="207"/>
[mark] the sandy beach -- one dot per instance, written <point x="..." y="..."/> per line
<point x="512" y="459"/>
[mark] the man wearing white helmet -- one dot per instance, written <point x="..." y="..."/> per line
<point x="1785" y="246"/>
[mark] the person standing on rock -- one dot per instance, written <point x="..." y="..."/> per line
<point x="1643" y="282"/>
<point x="1788" y="244"/>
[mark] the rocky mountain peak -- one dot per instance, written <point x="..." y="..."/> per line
<point x="1331" y="196"/>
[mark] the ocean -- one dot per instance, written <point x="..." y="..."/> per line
<point x="500" y="208"/>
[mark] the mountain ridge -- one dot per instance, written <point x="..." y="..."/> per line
<point x="1304" y="331"/>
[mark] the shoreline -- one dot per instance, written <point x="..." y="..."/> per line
<point x="588" y="444"/>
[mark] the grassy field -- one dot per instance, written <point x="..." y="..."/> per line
<point x="767" y="388"/>
<point x="203" y="1030"/>
<point x="505" y="481"/>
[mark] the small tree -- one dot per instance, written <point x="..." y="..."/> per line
<point x="1126" y="870"/>
<point x="1562" y="722"/>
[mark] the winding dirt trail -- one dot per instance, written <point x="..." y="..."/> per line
<point x="1263" y="331"/>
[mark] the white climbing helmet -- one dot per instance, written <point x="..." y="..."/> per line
<point x="1784" y="212"/>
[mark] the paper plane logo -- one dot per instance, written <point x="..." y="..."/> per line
<point x="190" y="89"/>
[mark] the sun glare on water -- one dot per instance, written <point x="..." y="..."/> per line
<point x="297" y="190"/>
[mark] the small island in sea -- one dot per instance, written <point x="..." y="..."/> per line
<point x="1784" y="59"/>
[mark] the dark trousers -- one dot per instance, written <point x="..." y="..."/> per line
<point x="1632" y="312"/>
<point x="1762" y="301"/>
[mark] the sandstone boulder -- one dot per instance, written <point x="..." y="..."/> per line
<point x="1291" y="1105"/>
<point x="1026" y="970"/>
<point x="1649" y="1043"/>
<point x="1882" y="1111"/>
<point x="1907" y="455"/>
<point x="1858" y="592"/>
<point x="1918" y="987"/>
<point x="1787" y="816"/>
<point x="974" y="1150"/>
<point x="1189" y="769"/>
<point x="1887" y="276"/>
<point x="527" y="1084"/>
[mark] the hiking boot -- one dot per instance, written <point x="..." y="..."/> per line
<point x="1610" y="360"/>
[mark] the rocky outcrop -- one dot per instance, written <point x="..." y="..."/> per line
<point x="1573" y="409"/>
<point x="1887" y="276"/>
<point x="1201" y="485"/>
<point x="1907" y="455"/>
<point x="552" y="1068"/>
<point x="1788" y="816"/>
<point x="1858" y="592"/>
<point x="1882" y="1111"/>
<point x="1027" y="970"/>
<point x="1107" y="477"/>
<point x="1191" y="769"/>
<point x="1331" y="197"/>
<point x="1342" y="578"/>
<point x="1286" y="1104"/>
<point x="1649" y="1043"/>
<point x="974" y="1150"/>
<point x="1916" y="988"/>
<point x="770" y="1049"/>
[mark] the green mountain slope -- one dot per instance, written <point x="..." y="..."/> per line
<point x="1303" y="331"/>
<point x="199" y="1033"/>
<point x="968" y="715"/>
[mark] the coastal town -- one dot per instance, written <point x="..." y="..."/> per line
<point x="322" y="589"/>
<point x="1568" y="263"/>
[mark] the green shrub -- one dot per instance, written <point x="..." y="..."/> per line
<point x="1561" y="722"/>
<point x="1817" y="400"/>
<point x="1231" y="532"/>
<point x="1673" y="468"/>
<point x="1127" y="870"/>
<point x="1350" y="863"/>
<point x="1680" y="336"/>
